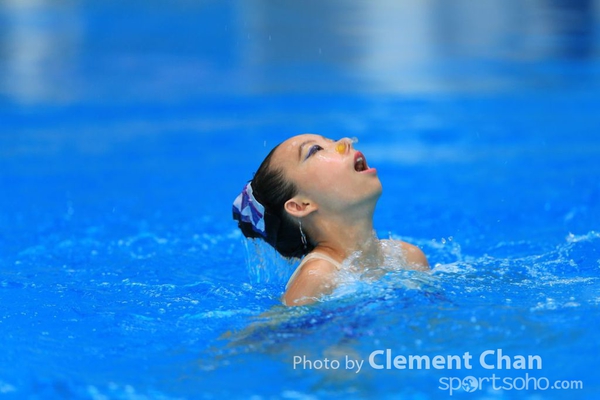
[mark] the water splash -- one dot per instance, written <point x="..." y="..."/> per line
<point x="588" y="237"/>
<point x="265" y="265"/>
<point x="520" y="280"/>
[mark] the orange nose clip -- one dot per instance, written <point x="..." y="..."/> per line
<point x="341" y="147"/>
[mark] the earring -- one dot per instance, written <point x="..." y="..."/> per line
<point x="302" y="235"/>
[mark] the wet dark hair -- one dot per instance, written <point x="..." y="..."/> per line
<point x="272" y="190"/>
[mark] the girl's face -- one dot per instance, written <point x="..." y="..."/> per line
<point x="330" y="173"/>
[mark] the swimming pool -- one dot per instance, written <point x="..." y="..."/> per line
<point x="122" y="274"/>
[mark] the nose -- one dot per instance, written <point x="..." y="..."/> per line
<point x="344" y="145"/>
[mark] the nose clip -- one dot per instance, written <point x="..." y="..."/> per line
<point x="344" y="143"/>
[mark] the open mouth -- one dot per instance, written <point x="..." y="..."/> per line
<point x="360" y="163"/>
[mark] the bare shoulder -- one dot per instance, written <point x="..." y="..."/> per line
<point x="315" y="279"/>
<point x="415" y="256"/>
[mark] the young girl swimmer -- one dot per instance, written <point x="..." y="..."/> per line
<point x="314" y="197"/>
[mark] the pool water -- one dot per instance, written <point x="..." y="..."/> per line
<point x="125" y="138"/>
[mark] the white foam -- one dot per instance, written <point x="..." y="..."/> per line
<point x="588" y="237"/>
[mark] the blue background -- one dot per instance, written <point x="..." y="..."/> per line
<point x="128" y="128"/>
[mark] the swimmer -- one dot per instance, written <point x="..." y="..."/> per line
<point x="314" y="198"/>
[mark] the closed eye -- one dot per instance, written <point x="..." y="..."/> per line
<point x="313" y="149"/>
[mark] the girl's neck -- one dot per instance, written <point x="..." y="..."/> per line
<point x="344" y="235"/>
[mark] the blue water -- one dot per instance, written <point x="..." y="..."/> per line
<point x="126" y="131"/>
